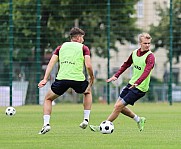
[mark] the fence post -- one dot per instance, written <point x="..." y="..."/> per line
<point x="170" y="55"/>
<point x="38" y="64"/>
<point x="108" y="50"/>
<point x="10" y="48"/>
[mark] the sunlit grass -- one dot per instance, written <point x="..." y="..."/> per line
<point x="162" y="129"/>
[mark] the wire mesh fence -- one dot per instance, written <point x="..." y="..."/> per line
<point x="32" y="29"/>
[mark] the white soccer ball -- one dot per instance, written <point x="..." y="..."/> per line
<point x="106" y="127"/>
<point x="10" y="111"/>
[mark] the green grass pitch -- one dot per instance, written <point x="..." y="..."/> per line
<point x="162" y="128"/>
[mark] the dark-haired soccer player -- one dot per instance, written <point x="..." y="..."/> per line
<point x="71" y="57"/>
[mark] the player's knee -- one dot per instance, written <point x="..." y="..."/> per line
<point x="48" y="99"/>
<point x="118" y="107"/>
<point x="87" y="92"/>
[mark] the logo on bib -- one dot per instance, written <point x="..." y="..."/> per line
<point x="137" y="67"/>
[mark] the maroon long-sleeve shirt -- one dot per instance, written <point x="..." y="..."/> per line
<point x="150" y="62"/>
<point x="85" y="49"/>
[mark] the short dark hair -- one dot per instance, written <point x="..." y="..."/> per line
<point x="76" y="31"/>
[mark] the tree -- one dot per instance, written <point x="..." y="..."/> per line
<point x="94" y="19"/>
<point x="160" y="32"/>
<point x="57" y="18"/>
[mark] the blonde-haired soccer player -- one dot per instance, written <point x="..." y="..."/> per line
<point x="142" y="60"/>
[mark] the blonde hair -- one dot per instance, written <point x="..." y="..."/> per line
<point x="144" y="35"/>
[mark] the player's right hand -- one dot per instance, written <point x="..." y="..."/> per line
<point x="113" y="78"/>
<point x="91" y="80"/>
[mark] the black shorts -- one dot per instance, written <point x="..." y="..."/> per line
<point x="59" y="87"/>
<point x="130" y="96"/>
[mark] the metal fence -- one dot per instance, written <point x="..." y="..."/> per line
<point x="32" y="29"/>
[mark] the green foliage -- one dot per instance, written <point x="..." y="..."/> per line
<point x="57" y="17"/>
<point x="122" y="25"/>
<point x="4" y="17"/>
<point x="161" y="32"/>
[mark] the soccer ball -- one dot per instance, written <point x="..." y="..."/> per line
<point x="10" y="111"/>
<point x="106" y="127"/>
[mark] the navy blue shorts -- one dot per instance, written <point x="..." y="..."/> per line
<point x="130" y="96"/>
<point x="59" y="87"/>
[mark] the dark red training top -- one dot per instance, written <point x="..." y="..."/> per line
<point x="150" y="62"/>
<point x="85" y="49"/>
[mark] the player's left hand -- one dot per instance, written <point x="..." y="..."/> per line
<point x="42" y="83"/>
<point x="133" y="86"/>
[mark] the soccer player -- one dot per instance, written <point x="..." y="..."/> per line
<point x="71" y="56"/>
<point x="143" y="62"/>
